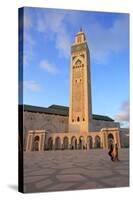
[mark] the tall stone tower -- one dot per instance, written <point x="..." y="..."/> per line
<point x="80" y="109"/>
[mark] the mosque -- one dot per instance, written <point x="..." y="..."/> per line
<point x="74" y="127"/>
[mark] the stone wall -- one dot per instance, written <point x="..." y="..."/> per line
<point x="59" y="124"/>
<point x="124" y="137"/>
<point x="41" y="121"/>
<point x="97" y="125"/>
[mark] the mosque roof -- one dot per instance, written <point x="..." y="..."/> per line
<point x="60" y="110"/>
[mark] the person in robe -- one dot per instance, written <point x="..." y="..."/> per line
<point x="111" y="152"/>
<point x="116" y="153"/>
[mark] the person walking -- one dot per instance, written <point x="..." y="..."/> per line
<point x="116" y="149"/>
<point x="111" y="149"/>
<point x="114" y="152"/>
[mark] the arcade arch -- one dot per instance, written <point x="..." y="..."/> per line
<point x="110" y="139"/>
<point x="74" y="142"/>
<point x="90" y="142"/>
<point x="81" y="142"/>
<point x="65" y="143"/>
<point x="97" y="142"/>
<point x="57" y="143"/>
<point x="36" y="143"/>
<point x="50" y="143"/>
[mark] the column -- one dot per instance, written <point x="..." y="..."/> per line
<point x="42" y="142"/>
<point x="103" y="140"/>
<point x="106" y="139"/>
<point x="69" y="143"/>
<point x="61" y="143"/>
<point x="53" y="143"/>
<point x="29" y="142"/>
<point x="93" y="142"/>
<point x="87" y="146"/>
<point x="118" y="136"/>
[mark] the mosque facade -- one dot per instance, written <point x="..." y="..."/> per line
<point x="74" y="127"/>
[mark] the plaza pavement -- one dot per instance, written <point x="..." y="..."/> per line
<point x="74" y="170"/>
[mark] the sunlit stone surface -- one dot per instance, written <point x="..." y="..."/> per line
<point x="73" y="170"/>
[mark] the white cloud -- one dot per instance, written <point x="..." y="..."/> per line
<point x="31" y="85"/>
<point x="52" y="24"/>
<point x="123" y="115"/>
<point x="49" y="67"/>
<point x="104" y="41"/>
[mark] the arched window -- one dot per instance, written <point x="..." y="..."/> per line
<point x="72" y="120"/>
<point x="78" y="62"/>
<point x="83" y="119"/>
<point x="36" y="138"/>
<point x="79" y="39"/>
<point x="78" y="119"/>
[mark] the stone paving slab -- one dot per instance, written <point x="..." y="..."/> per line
<point x="74" y="170"/>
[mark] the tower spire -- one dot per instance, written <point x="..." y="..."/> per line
<point x="80" y="110"/>
<point x="81" y="29"/>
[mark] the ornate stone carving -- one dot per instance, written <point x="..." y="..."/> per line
<point x="78" y="47"/>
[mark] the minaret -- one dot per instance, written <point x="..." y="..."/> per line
<point x="80" y="110"/>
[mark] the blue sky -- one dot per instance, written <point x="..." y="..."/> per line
<point x="48" y="35"/>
